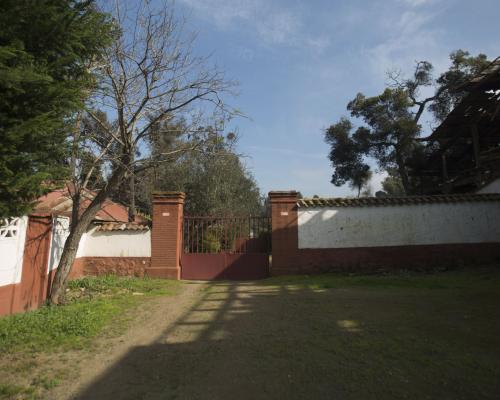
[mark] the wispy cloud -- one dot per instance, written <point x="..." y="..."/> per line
<point x="418" y="3"/>
<point x="273" y="25"/>
<point x="410" y="36"/>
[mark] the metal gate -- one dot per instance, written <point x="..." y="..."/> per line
<point x="235" y="248"/>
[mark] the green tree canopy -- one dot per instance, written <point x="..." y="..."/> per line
<point x="392" y="122"/>
<point x="46" y="47"/>
<point x="347" y="152"/>
<point x="213" y="176"/>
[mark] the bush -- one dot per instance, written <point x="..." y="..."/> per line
<point x="211" y="242"/>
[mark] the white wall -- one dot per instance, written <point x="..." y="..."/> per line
<point x="467" y="222"/>
<point x="93" y="244"/>
<point x="115" y="244"/>
<point x="12" y="240"/>
<point x="60" y="232"/>
<point x="492" y="187"/>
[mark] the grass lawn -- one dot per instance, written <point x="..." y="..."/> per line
<point x="94" y="306"/>
<point x="418" y="336"/>
<point x="332" y="336"/>
<point x="335" y="336"/>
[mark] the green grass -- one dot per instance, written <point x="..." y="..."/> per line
<point x="402" y="335"/>
<point x="92" y="304"/>
<point x="112" y="284"/>
<point x="468" y="279"/>
<point x="9" y="391"/>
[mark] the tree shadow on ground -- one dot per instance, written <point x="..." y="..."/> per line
<point x="235" y="342"/>
<point x="260" y="341"/>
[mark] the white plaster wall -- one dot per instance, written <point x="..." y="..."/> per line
<point x="12" y="250"/>
<point x="115" y="244"/>
<point x="492" y="187"/>
<point x="81" y="246"/>
<point x="60" y="232"/>
<point x="474" y="222"/>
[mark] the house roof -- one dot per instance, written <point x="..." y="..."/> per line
<point x="59" y="202"/>
<point x="391" y="201"/>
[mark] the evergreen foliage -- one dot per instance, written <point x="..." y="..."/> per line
<point x="213" y="176"/>
<point x="392" y="124"/>
<point x="45" y="50"/>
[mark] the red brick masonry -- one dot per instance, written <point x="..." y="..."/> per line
<point x="166" y="235"/>
<point x="121" y="266"/>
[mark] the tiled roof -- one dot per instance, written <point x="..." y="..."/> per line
<point x="389" y="201"/>
<point x="121" y="226"/>
<point x="59" y="202"/>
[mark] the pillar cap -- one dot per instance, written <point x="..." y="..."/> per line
<point x="168" y="197"/>
<point x="283" y="196"/>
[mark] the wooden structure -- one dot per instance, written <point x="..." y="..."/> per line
<point x="467" y="154"/>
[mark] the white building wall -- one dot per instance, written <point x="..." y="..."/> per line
<point x="474" y="222"/>
<point x="12" y="240"/>
<point x="60" y="232"/>
<point x="115" y="244"/>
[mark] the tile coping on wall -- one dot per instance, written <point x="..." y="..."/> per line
<point x="389" y="201"/>
<point x="121" y="226"/>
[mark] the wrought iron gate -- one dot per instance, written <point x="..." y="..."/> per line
<point x="226" y="248"/>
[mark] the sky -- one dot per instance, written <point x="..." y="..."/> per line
<point x="299" y="63"/>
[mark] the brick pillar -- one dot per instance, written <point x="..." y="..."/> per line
<point x="166" y="236"/>
<point x="284" y="232"/>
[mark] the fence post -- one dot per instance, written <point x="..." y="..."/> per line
<point x="284" y="232"/>
<point x="166" y="235"/>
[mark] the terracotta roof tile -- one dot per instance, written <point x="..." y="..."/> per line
<point x="121" y="226"/>
<point x="388" y="201"/>
<point x="59" y="202"/>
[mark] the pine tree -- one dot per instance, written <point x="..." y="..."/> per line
<point x="46" y="47"/>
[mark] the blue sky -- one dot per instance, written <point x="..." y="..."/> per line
<point x="299" y="63"/>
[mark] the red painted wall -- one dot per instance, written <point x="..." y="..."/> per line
<point x="31" y="292"/>
<point x="121" y="266"/>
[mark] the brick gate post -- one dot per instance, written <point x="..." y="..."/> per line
<point x="284" y="232"/>
<point x="166" y="235"/>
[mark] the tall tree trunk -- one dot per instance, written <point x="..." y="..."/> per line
<point x="78" y="228"/>
<point x="131" y="209"/>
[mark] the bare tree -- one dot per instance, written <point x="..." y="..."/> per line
<point x="148" y="75"/>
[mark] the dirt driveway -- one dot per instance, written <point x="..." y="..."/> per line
<point x="261" y="341"/>
<point x="207" y="343"/>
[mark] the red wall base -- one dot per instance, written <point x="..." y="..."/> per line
<point x="371" y="259"/>
<point x="9" y="302"/>
<point x="121" y="266"/>
<point x="31" y="292"/>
